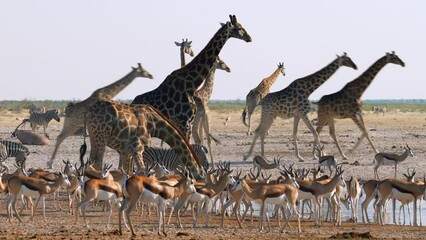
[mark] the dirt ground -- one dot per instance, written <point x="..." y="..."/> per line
<point x="389" y="133"/>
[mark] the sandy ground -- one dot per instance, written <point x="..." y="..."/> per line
<point x="390" y="133"/>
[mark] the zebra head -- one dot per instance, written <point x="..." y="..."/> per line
<point x="56" y="116"/>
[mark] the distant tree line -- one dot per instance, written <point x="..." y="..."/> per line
<point x="404" y="105"/>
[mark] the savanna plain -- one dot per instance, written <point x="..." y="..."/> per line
<point x="390" y="133"/>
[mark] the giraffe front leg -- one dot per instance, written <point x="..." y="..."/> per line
<point x="296" y="145"/>
<point x="314" y="132"/>
<point x="137" y="157"/>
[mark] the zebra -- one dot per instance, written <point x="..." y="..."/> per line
<point x="378" y="109"/>
<point x="169" y="158"/>
<point x="13" y="149"/>
<point x="43" y="118"/>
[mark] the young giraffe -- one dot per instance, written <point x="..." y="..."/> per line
<point x="293" y="102"/>
<point x="174" y="97"/>
<point x="255" y="95"/>
<point x="347" y="103"/>
<point x="128" y="128"/>
<point x="201" y="121"/>
<point x="74" y="112"/>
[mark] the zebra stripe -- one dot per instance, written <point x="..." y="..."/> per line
<point x="169" y="158"/>
<point x="43" y="118"/>
<point x="13" y="149"/>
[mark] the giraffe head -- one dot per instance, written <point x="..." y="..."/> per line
<point x="185" y="46"/>
<point x="236" y="29"/>
<point x="345" y="60"/>
<point x="393" y="58"/>
<point x="281" y="68"/>
<point x="221" y="65"/>
<point x="142" y="72"/>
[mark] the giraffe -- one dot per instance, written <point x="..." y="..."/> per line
<point x="174" y="96"/>
<point x="293" y="101"/>
<point x="201" y="121"/>
<point x="185" y="48"/>
<point x="74" y="112"/>
<point x="202" y="95"/>
<point x="127" y="128"/>
<point x="347" y="103"/>
<point x="255" y="95"/>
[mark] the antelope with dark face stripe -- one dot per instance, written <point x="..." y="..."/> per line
<point x="393" y="188"/>
<point x="315" y="191"/>
<point x="147" y="189"/>
<point x="101" y="189"/>
<point x="277" y="194"/>
<point x="384" y="158"/>
<point x="33" y="187"/>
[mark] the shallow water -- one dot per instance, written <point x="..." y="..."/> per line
<point x="346" y="213"/>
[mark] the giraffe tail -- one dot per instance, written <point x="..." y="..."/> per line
<point x="243" y="116"/>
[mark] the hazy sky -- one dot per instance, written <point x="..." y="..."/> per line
<point x="63" y="50"/>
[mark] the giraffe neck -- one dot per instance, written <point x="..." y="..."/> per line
<point x="358" y="86"/>
<point x="266" y="83"/>
<point x="191" y="76"/>
<point x="110" y="91"/>
<point x="307" y="85"/>
<point x="182" y="57"/>
<point x="205" y="92"/>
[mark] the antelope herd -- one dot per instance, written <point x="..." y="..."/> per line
<point x="142" y="179"/>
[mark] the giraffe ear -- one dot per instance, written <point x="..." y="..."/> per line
<point x="177" y="44"/>
<point x="222" y="24"/>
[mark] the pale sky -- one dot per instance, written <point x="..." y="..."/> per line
<point x="64" y="50"/>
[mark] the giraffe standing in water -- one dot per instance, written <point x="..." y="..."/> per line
<point x="175" y="95"/>
<point x="74" y="112"/>
<point x="256" y="95"/>
<point x="347" y="103"/>
<point x="293" y="101"/>
<point x="128" y="129"/>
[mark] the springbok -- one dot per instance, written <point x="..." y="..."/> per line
<point x="315" y="191"/>
<point x="383" y="158"/>
<point x="74" y="189"/>
<point x="101" y="189"/>
<point x="33" y="187"/>
<point x="325" y="160"/>
<point x="370" y="189"/>
<point x="147" y="189"/>
<point x="260" y="163"/>
<point x="354" y="191"/>
<point x="400" y="190"/>
<point x="203" y="196"/>
<point x="277" y="194"/>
